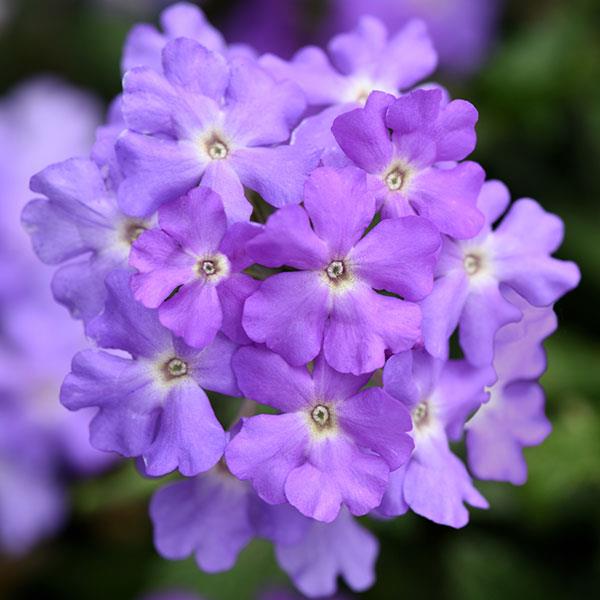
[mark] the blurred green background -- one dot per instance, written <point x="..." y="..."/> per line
<point x="539" y="100"/>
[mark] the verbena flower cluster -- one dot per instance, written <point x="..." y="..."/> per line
<point x="308" y="236"/>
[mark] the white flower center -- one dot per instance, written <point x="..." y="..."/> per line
<point x="420" y="413"/>
<point x="394" y="180"/>
<point x="472" y="264"/>
<point x="208" y="267"/>
<point x="176" y="368"/>
<point x="217" y="150"/>
<point x="335" y="270"/>
<point x="320" y="415"/>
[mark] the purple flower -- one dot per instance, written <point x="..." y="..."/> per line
<point x="405" y="146"/>
<point x="330" y="300"/>
<point x="462" y="30"/>
<point x="328" y="550"/>
<point x="145" y="43"/>
<point x="359" y="62"/>
<point x="153" y="404"/>
<point x="208" y="516"/>
<point x="197" y="256"/>
<point x="78" y="223"/>
<point x="514" y="416"/>
<point x="472" y="275"/>
<point x="210" y="120"/>
<point x="332" y="445"/>
<point x="441" y="396"/>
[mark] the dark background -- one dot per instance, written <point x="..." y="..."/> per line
<point x="539" y="100"/>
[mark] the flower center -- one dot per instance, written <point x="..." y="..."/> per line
<point x="216" y="149"/>
<point x="320" y="415"/>
<point x="208" y="267"/>
<point x="176" y="368"/>
<point x="394" y="180"/>
<point x="335" y="270"/>
<point x="472" y="264"/>
<point x="132" y="231"/>
<point x="420" y="413"/>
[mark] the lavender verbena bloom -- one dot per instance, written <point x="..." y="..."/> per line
<point x="151" y="405"/>
<point x="222" y="123"/>
<point x="514" y="417"/>
<point x="462" y="30"/>
<point x="434" y="483"/>
<point x="330" y="300"/>
<point x="471" y="275"/>
<point x="328" y="550"/>
<point x="190" y="269"/>
<point x="332" y="445"/>
<point x="144" y="43"/>
<point x="409" y="147"/>
<point x="363" y="60"/>
<point x="78" y="223"/>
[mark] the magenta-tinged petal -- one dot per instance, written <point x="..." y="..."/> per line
<point x="456" y="137"/>
<point x="125" y="324"/>
<point x="340" y="207"/>
<point x="399" y="380"/>
<point x="189" y="436"/>
<point x="265" y="377"/>
<point x="437" y="485"/>
<point x="484" y="313"/>
<point x="288" y="314"/>
<point x="398" y="255"/>
<point x="363" y="324"/>
<point x="513" y="419"/>
<point x="265" y="451"/>
<point x="195" y="69"/>
<point x="144" y="161"/>
<point x="413" y="111"/>
<point x="206" y="516"/>
<point x="337" y="472"/>
<point x="235" y="244"/>
<point x="289" y="240"/>
<point x="162" y="267"/>
<point x="278" y="174"/>
<point x="363" y="135"/>
<point x="327" y="551"/>
<point x="233" y="293"/>
<point x="221" y="177"/>
<point x="377" y="421"/>
<point x="197" y="220"/>
<point x="448" y="198"/>
<point x="193" y="313"/>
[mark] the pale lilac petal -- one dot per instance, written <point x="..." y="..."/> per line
<point x="206" y="516"/>
<point x="194" y="313"/>
<point x="187" y="20"/>
<point x="265" y="451"/>
<point x="334" y="386"/>
<point x="399" y="380"/>
<point x="265" y="377"/>
<point x="189" y="436"/>
<point x="340" y="207"/>
<point x="143" y="47"/>
<point x="234" y="244"/>
<point x="278" y="174"/>
<point x="233" y="293"/>
<point x="393" y="503"/>
<point x="328" y="551"/>
<point x="493" y="200"/>
<point x="398" y="255"/>
<point x="377" y="421"/>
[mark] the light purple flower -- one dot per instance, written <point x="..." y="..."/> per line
<point x="210" y="120"/>
<point x="330" y="300"/>
<point x="79" y="224"/>
<point x="514" y="417"/>
<point x="332" y="445"/>
<point x="434" y="483"/>
<point x="151" y="405"/>
<point x="190" y="269"/>
<point x="471" y="275"/>
<point x="328" y="550"/>
<point x="363" y="60"/>
<point x="462" y="30"/>
<point x="408" y="146"/>
<point x="144" y="43"/>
